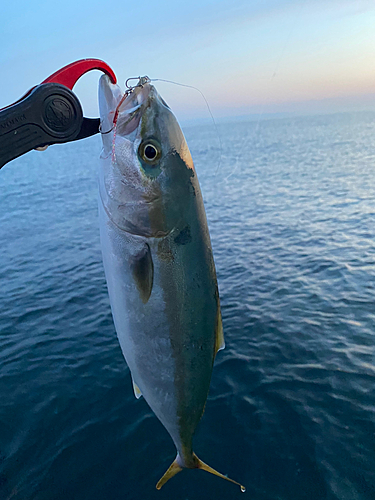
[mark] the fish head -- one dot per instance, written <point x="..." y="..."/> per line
<point x="147" y="170"/>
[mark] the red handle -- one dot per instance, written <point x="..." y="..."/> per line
<point x="68" y="75"/>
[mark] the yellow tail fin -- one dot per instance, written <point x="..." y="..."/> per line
<point x="175" y="468"/>
<point x="172" y="471"/>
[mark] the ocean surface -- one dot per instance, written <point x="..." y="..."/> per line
<point x="291" y="410"/>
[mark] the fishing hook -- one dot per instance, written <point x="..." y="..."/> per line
<point x="142" y="80"/>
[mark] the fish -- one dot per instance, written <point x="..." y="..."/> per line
<point x="158" y="262"/>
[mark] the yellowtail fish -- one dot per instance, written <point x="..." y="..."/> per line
<point x="158" y="262"/>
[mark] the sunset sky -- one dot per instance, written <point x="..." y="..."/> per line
<point x="246" y="56"/>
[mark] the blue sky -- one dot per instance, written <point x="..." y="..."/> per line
<point x="247" y="56"/>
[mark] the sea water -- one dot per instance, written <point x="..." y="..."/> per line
<point x="291" y="411"/>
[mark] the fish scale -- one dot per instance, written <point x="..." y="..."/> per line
<point x="158" y="262"/>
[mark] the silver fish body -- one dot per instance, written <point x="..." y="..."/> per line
<point x="158" y="261"/>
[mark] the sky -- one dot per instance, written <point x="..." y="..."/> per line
<point x="246" y="56"/>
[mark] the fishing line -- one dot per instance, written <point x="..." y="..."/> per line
<point x="209" y="110"/>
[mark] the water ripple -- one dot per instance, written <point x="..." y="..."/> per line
<point x="291" y="407"/>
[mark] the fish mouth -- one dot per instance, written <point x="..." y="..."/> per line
<point x="132" y="108"/>
<point x="121" y="112"/>
<point x="129" y="111"/>
<point x="130" y="198"/>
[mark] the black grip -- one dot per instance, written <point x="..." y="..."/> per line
<point x="50" y="114"/>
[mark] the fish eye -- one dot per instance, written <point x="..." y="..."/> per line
<point x="149" y="151"/>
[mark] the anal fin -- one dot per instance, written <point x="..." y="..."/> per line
<point x="137" y="391"/>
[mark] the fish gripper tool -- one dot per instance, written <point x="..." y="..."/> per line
<point x="49" y="113"/>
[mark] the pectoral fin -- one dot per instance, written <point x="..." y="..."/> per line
<point x="143" y="272"/>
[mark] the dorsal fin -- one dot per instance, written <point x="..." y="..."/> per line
<point x="143" y="272"/>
